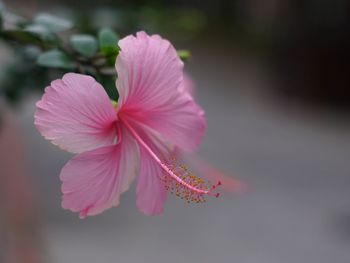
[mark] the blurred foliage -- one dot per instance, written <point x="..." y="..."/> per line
<point x="46" y="46"/>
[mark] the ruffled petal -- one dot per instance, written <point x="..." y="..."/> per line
<point x="76" y="114"/>
<point x="152" y="90"/>
<point x="94" y="180"/>
<point x="149" y="71"/>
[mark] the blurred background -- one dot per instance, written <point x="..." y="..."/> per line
<point x="273" y="77"/>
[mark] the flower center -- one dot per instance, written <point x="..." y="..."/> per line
<point x="177" y="178"/>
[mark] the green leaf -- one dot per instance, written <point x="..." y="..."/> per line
<point x="53" y="23"/>
<point x="56" y="59"/>
<point x="108" y="41"/>
<point x="31" y="52"/>
<point x="15" y="19"/>
<point x="42" y="32"/>
<point x="184" y="54"/>
<point x="86" y="45"/>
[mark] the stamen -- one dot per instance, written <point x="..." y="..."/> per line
<point x="177" y="179"/>
<point x="188" y="194"/>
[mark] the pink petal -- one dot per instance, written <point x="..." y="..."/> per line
<point x="152" y="90"/>
<point x="76" y="114"/>
<point x="149" y="71"/>
<point x="94" y="180"/>
<point x="188" y="85"/>
<point x="151" y="192"/>
<point x="228" y="182"/>
<point x="181" y="121"/>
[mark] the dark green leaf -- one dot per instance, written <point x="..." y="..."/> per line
<point x="53" y="23"/>
<point x="108" y="41"/>
<point x="42" y="31"/>
<point x="108" y="84"/>
<point x="56" y="59"/>
<point x="30" y="53"/>
<point x="86" y="45"/>
<point x="15" y="19"/>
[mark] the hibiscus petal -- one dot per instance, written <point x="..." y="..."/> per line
<point x="94" y="180"/>
<point x="149" y="71"/>
<point x="151" y="192"/>
<point x="187" y="85"/>
<point x="152" y="90"/>
<point x="76" y="114"/>
<point x="228" y="182"/>
<point x="181" y="121"/>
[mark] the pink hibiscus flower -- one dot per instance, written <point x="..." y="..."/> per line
<point x="155" y="115"/>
